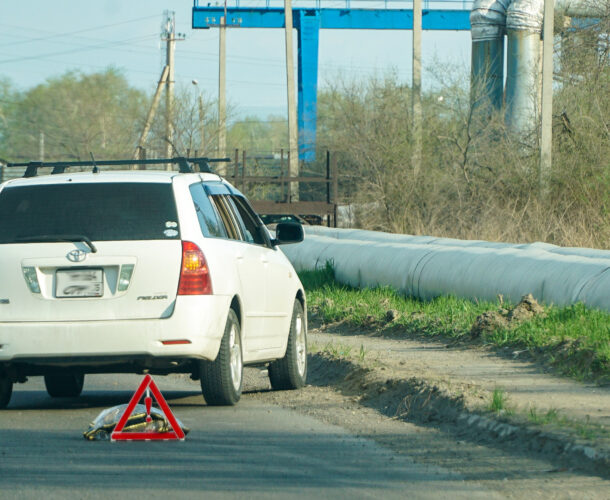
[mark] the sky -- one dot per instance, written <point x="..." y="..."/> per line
<point x="41" y="39"/>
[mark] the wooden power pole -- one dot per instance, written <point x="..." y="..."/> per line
<point x="166" y="80"/>
<point x="151" y="113"/>
<point x="293" y="165"/>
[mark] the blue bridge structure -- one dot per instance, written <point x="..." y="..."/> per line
<point x="308" y="21"/>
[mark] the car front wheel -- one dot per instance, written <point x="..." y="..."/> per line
<point x="221" y="379"/>
<point x="290" y="372"/>
<point x="64" y="386"/>
<point x="6" y="389"/>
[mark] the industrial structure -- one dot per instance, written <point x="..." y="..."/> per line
<point x="308" y="22"/>
<point x="521" y="21"/>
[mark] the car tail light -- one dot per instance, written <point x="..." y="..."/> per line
<point x="194" y="273"/>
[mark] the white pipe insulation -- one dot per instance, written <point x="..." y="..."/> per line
<point x="523" y="65"/>
<point x="425" y="267"/>
<point x="521" y="21"/>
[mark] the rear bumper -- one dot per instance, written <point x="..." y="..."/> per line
<point x="197" y="319"/>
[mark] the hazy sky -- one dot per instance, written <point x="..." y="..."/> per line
<point x="41" y="39"/>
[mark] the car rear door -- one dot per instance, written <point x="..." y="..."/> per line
<point x="250" y="262"/>
<point x="279" y="297"/>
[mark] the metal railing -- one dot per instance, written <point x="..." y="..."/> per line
<point x="265" y="180"/>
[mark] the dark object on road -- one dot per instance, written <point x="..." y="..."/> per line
<point x="101" y="428"/>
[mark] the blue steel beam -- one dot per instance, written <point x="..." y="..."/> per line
<point x="308" y="23"/>
<point x="308" y="36"/>
<point x="360" y="19"/>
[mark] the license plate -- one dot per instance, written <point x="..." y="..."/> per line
<point x="79" y="283"/>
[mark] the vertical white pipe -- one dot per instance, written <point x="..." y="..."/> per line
<point x="523" y="27"/>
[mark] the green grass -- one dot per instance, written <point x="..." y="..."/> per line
<point x="575" y="340"/>
<point x="499" y="401"/>
<point x="550" y="417"/>
<point x="585" y="430"/>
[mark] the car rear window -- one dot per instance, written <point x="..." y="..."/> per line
<point x="99" y="211"/>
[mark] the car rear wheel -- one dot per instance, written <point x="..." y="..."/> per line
<point x="64" y="386"/>
<point x="221" y="379"/>
<point x="6" y="389"/>
<point x="290" y="372"/>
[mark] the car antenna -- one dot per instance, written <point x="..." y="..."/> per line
<point x="95" y="169"/>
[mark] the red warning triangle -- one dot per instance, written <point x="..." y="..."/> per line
<point x="176" y="433"/>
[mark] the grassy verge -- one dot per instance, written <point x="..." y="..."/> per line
<point x="574" y="340"/>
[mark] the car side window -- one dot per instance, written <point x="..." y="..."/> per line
<point x="252" y="227"/>
<point x="227" y="216"/>
<point x="208" y="217"/>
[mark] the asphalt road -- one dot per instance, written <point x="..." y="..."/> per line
<point x="253" y="450"/>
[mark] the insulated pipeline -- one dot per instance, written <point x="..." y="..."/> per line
<point x="488" y="19"/>
<point x="426" y="268"/>
<point x="525" y="15"/>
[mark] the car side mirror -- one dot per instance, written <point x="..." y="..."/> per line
<point x="288" y="232"/>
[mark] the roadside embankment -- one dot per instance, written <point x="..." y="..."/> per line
<point x="478" y="395"/>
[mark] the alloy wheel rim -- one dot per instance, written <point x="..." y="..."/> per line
<point x="236" y="363"/>
<point x="301" y="345"/>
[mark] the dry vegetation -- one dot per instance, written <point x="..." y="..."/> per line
<point x="477" y="181"/>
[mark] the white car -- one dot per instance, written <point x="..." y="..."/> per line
<point x="144" y="272"/>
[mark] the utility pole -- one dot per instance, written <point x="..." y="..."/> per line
<point x="170" y="32"/>
<point x="222" y="89"/>
<point x="41" y="146"/>
<point x="293" y="165"/>
<point x="151" y="113"/>
<point x="170" y="37"/>
<point x="546" y="126"/>
<point x="201" y="123"/>
<point x="416" y="105"/>
<point x="201" y="118"/>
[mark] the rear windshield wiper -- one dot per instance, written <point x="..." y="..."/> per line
<point x="59" y="237"/>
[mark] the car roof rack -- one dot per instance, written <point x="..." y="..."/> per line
<point x="185" y="165"/>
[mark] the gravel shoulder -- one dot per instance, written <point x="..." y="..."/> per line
<point x="431" y="400"/>
<point x="476" y="372"/>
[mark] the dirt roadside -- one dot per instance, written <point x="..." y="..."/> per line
<point x="431" y="401"/>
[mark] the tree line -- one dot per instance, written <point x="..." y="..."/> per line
<point x="476" y="181"/>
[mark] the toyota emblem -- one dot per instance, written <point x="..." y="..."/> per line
<point x="76" y="256"/>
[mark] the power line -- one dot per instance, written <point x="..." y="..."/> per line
<point x="69" y="33"/>
<point x="90" y="47"/>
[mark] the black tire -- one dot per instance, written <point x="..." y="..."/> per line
<point x="221" y="379"/>
<point x="290" y="372"/>
<point x="64" y="386"/>
<point x="6" y="390"/>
